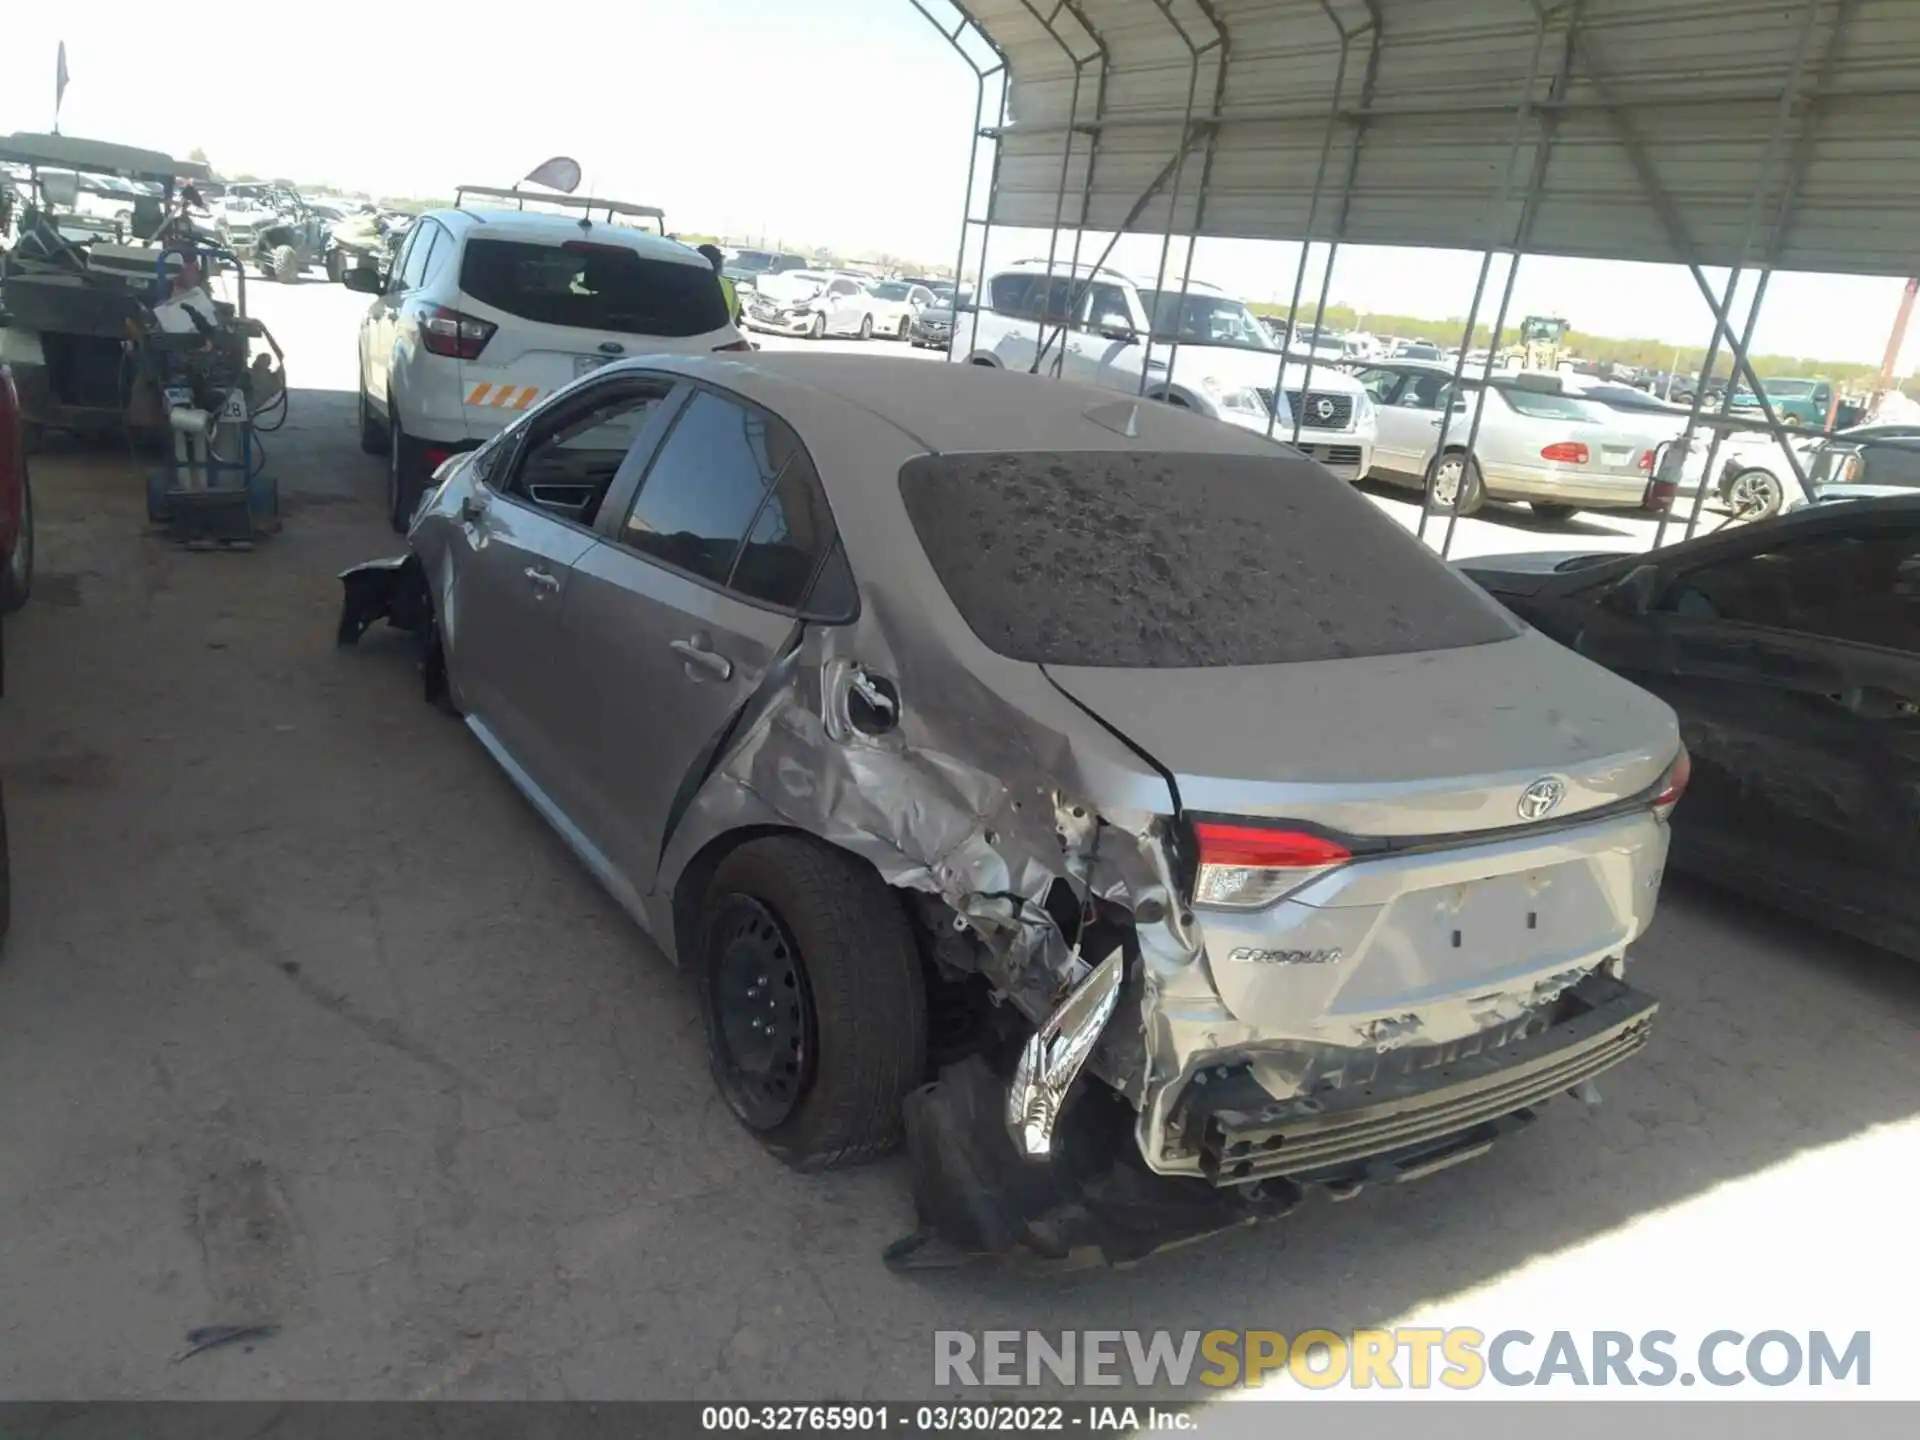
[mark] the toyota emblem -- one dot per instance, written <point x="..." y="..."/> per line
<point x="1323" y="407"/>
<point x="1542" y="798"/>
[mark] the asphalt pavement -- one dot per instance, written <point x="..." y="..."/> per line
<point x="307" y="1021"/>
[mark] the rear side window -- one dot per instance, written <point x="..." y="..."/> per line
<point x="733" y="498"/>
<point x="1167" y="561"/>
<point x="591" y="286"/>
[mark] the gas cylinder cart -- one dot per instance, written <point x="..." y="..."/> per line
<point x="220" y="396"/>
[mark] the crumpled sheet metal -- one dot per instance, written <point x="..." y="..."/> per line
<point x="929" y="805"/>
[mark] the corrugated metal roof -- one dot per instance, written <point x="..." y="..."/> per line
<point x="1422" y="152"/>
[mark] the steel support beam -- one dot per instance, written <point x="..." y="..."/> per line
<point x="1195" y="53"/>
<point x="1522" y="114"/>
<point x="982" y="75"/>
<point x="1367" y="81"/>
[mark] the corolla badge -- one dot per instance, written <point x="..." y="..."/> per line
<point x="1246" y="955"/>
<point x="1542" y="798"/>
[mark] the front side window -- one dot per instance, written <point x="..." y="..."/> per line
<point x="892" y="290"/>
<point x="1203" y="320"/>
<point x="573" y="454"/>
<point x="1107" y="309"/>
<point x="1379" y="383"/>
<point x="1009" y="295"/>
<point x="1862" y="587"/>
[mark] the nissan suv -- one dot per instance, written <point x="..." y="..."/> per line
<point x="1201" y="349"/>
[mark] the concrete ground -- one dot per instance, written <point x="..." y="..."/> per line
<point x="306" y="1019"/>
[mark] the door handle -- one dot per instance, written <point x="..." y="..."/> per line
<point x="543" y="581"/>
<point x="694" y="652"/>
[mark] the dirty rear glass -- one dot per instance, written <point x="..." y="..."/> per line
<point x="593" y="287"/>
<point x="1166" y="561"/>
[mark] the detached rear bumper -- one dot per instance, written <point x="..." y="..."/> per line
<point x="1400" y="1127"/>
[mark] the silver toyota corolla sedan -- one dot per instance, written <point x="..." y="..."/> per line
<point x="967" y="732"/>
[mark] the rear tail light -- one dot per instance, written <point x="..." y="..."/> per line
<point x="735" y="345"/>
<point x="448" y="332"/>
<point x="1659" y="496"/>
<point x="1243" y="867"/>
<point x="1570" y="452"/>
<point x="1673" y="785"/>
<point x="1645" y="462"/>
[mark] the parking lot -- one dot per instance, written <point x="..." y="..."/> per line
<point x="306" y="1019"/>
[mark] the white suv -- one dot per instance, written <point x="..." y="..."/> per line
<point x="487" y="311"/>
<point x="1224" y="365"/>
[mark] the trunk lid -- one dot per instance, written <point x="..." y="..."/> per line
<point x="1422" y="744"/>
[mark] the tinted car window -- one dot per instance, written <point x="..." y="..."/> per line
<point x="1863" y="587"/>
<point x="1009" y="294"/>
<point x="593" y="287"/>
<point x="1250" y="560"/>
<point x="788" y="539"/>
<point x="705" y="486"/>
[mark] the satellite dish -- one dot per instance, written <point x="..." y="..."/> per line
<point x="560" y="173"/>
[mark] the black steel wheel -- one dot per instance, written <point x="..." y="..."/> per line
<point x="814" y="1000"/>
<point x="765" y="1036"/>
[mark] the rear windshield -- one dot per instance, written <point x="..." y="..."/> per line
<point x="1543" y="405"/>
<point x="1167" y="561"/>
<point x="593" y="287"/>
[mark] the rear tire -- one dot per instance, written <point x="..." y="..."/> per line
<point x="1456" y="471"/>
<point x="1756" y="494"/>
<point x="284" y="264"/>
<point x="815" y="937"/>
<point x="16" y="581"/>
<point x="406" y="477"/>
<point x="906" y="327"/>
<point x="1554" y="514"/>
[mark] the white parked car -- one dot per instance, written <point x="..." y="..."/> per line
<point x="1209" y="353"/>
<point x="814" y="303"/>
<point x="486" y="311"/>
<point x="895" y="304"/>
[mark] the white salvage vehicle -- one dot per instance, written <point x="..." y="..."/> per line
<point x="487" y="309"/>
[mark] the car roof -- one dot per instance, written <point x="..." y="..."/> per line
<point x="951" y="408"/>
<point x="535" y="225"/>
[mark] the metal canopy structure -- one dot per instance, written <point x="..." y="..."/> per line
<point x="1750" y="135"/>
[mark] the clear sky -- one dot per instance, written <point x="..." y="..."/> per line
<point x="836" y="122"/>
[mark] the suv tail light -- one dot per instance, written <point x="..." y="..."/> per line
<point x="448" y="332"/>
<point x="1570" y="452"/>
<point x="1243" y="867"/>
<point x="1673" y="785"/>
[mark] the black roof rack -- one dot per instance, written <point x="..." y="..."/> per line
<point x="585" y="203"/>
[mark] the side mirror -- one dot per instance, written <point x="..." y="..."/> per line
<point x="1635" y="592"/>
<point x="365" y="279"/>
<point x="1117" y="330"/>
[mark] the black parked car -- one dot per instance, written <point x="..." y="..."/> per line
<point x="1791" y="650"/>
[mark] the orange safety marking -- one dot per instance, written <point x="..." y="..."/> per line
<point x="478" y="395"/>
